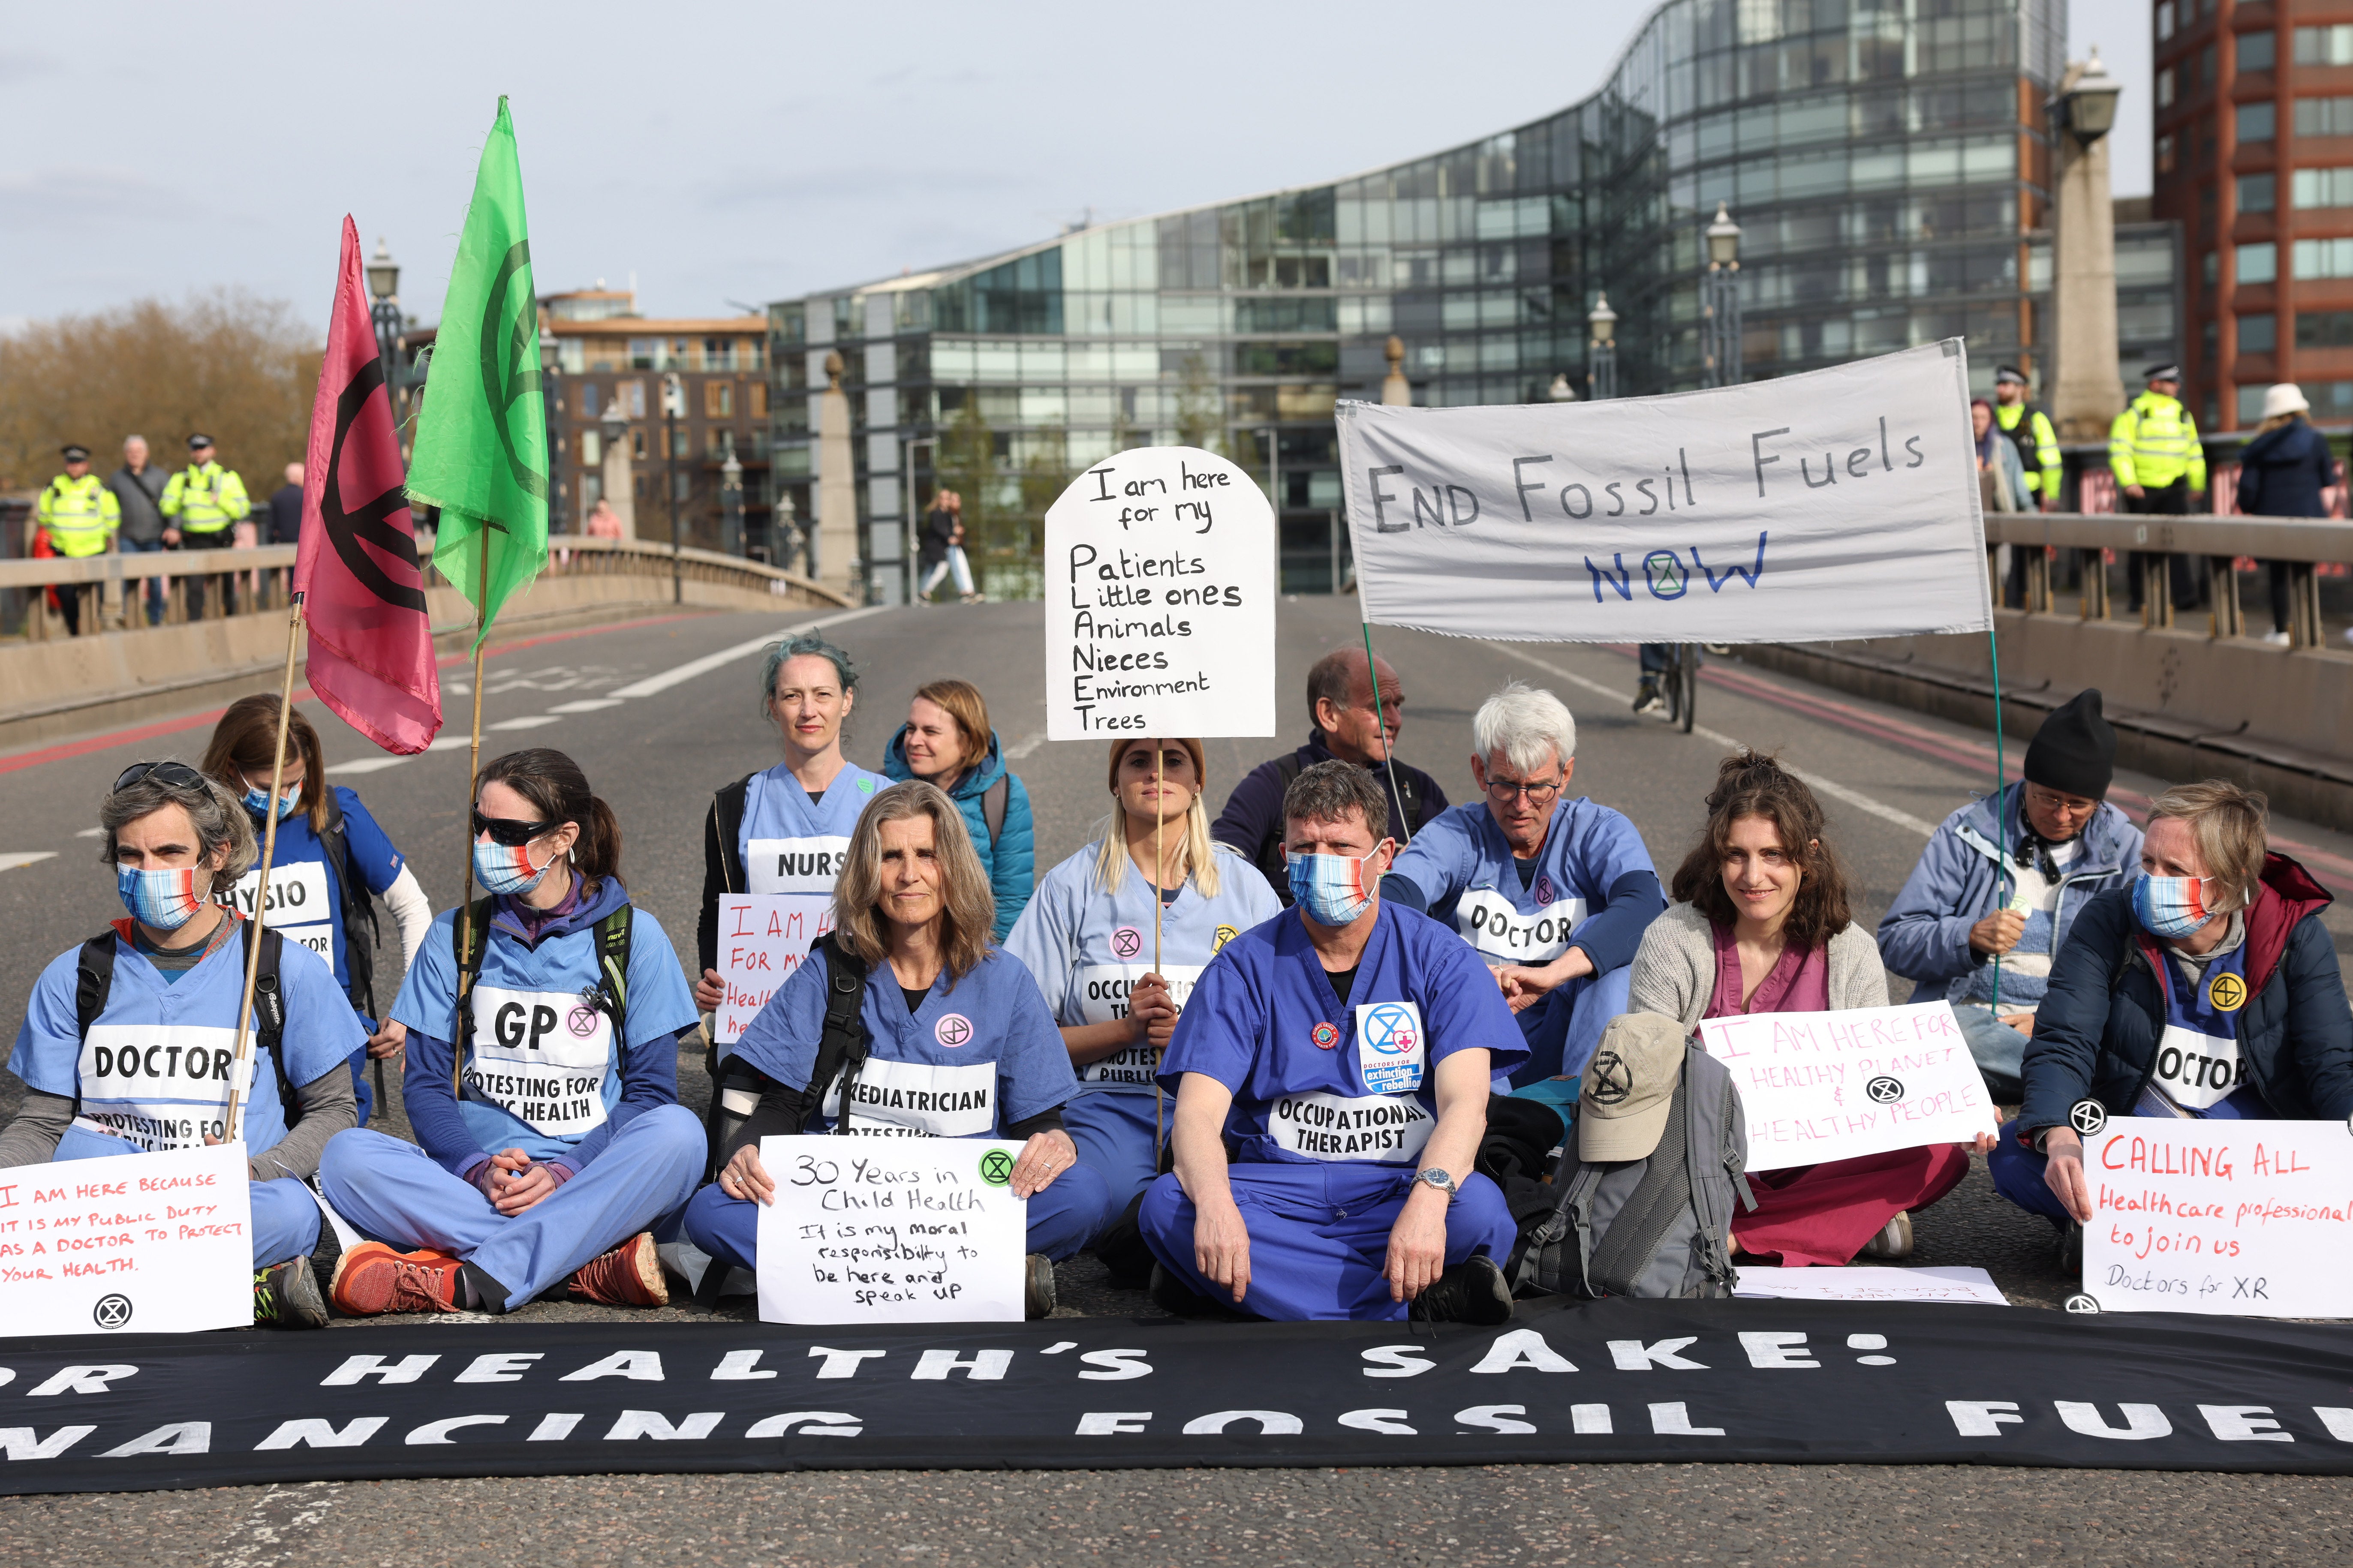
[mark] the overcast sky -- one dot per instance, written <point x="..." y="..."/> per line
<point x="738" y="152"/>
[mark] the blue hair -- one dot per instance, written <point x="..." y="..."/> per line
<point x="803" y="645"/>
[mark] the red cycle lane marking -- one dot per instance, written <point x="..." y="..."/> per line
<point x="66" y="750"/>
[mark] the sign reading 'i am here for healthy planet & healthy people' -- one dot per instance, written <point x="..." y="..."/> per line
<point x="1160" y="589"/>
<point x="1838" y="503"/>
<point x="892" y="1230"/>
<point x="2248" y="1219"/>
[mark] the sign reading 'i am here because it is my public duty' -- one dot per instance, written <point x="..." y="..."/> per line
<point x="1160" y="591"/>
<point x="1839" y="503"/>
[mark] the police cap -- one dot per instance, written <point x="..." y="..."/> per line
<point x="199" y="443"/>
<point x="2009" y="373"/>
<point x="2162" y="373"/>
<point x="73" y="453"/>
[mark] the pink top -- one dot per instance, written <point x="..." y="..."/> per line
<point x="1800" y="981"/>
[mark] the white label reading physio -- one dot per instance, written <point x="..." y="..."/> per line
<point x="301" y="907"/>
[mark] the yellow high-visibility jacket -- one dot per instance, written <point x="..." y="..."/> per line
<point x="2154" y="442"/>
<point x="205" y="499"/>
<point x="79" y="515"/>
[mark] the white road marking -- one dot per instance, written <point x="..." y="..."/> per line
<point x="528" y="721"/>
<point x="365" y="764"/>
<point x="1831" y="787"/>
<point x="448" y="743"/>
<point x="262" y="1541"/>
<point x="587" y="705"/>
<point x="92" y="833"/>
<point x="653" y="684"/>
<point x="9" y="862"/>
<point x="1025" y="745"/>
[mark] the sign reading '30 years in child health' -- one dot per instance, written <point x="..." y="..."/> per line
<point x="1160" y="589"/>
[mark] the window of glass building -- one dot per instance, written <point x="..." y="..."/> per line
<point x="2323" y="329"/>
<point x="719" y="399"/>
<point x="2259" y="121"/>
<point x="2331" y="45"/>
<point x="2165" y="88"/>
<point x="2260" y="263"/>
<point x="2258" y="51"/>
<point x="2259" y="193"/>
<point x="2324" y="258"/>
<point x="588" y="400"/>
<point x="2324" y="187"/>
<point x="2314" y="116"/>
<point x="2258" y="334"/>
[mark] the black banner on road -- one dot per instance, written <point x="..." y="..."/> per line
<point x="1780" y="1381"/>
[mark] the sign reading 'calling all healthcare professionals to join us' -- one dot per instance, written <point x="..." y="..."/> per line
<point x="1160" y="600"/>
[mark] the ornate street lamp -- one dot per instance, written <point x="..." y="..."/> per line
<point x="552" y="418"/>
<point x="1601" y="351"/>
<point x="673" y="410"/>
<point x="731" y="502"/>
<point x="2089" y="108"/>
<point x="383" y="284"/>
<point x="1560" y="391"/>
<point x="1720" y="303"/>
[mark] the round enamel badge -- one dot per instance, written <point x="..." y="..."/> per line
<point x="952" y="1031"/>
<point x="2226" y="993"/>
<point x="1127" y="943"/>
<point x="1225" y="934"/>
<point x="1327" y="1035"/>
<point x="1543" y="889"/>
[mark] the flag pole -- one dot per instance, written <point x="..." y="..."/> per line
<point x="473" y="774"/>
<point x="2000" y="818"/>
<point x="1159" y="869"/>
<point x="1388" y="753"/>
<point x="233" y="1124"/>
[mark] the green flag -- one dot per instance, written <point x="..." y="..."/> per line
<point x="481" y="436"/>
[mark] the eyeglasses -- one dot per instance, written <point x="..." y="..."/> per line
<point x="1503" y="791"/>
<point x="176" y="776"/>
<point x="513" y="834"/>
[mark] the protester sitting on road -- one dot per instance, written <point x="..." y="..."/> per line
<point x="947" y="742"/>
<point x="1553" y="894"/>
<point x="542" y="1080"/>
<point x="330" y="856"/>
<point x="1351" y="722"/>
<point x="2207" y="987"/>
<point x="784" y="830"/>
<point x="170" y="979"/>
<point x="959" y="1043"/>
<point x="1342" y="1051"/>
<point x="2281" y="473"/>
<point x="1965" y="905"/>
<point x="1760" y="924"/>
<point x="1115" y="979"/>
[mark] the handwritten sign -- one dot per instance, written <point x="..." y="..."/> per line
<point x="871" y="1231"/>
<point x="1843" y="500"/>
<point x="762" y="938"/>
<point x="1833" y="1086"/>
<point x="2239" y="1219"/>
<point x="155" y="1242"/>
<point x="1160" y="590"/>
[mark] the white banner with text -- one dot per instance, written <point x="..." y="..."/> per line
<point x="159" y="1242"/>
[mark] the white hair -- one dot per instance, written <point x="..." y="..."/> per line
<point x="1524" y="722"/>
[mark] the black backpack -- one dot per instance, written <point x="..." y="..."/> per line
<point x="358" y="909"/>
<point x="841" y="1050"/>
<point x="94" y="983"/>
<point x="609" y="996"/>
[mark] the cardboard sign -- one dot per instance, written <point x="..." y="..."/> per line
<point x="762" y="938"/>
<point x="158" y="1243"/>
<point x="1160" y="590"/>
<point x="2239" y="1219"/>
<point x="1832" y="1086"/>
<point x="874" y="1230"/>
<point x="1728" y="515"/>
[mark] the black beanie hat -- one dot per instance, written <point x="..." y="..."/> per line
<point x="2074" y="753"/>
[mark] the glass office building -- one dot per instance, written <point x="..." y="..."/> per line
<point x="1886" y="160"/>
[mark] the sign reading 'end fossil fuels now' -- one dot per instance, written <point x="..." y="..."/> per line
<point x="1160" y="591"/>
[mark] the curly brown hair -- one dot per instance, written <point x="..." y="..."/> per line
<point x="1748" y="784"/>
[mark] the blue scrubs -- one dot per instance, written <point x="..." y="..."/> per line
<point x="790" y="844"/>
<point x="1087" y="948"/>
<point x="979" y="1054"/>
<point x="1332" y="1105"/>
<point x="1463" y="868"/>
<point x="2197" y="1073"/>
<point x="545" y="1075"/>
<point x="187" y="1029"/>
<point x="306" y="900"/>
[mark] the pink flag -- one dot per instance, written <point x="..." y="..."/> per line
<point x="371" y="638"/>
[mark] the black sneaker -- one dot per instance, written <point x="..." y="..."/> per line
<point x="2071" y="1246"/>
<point x="1037" y="1286"/>
<point x="287" y="1294"/>
<point x="1472" y="1291"/>
<point x="1179" y="1299"/>
<point x="1647" y="699"/>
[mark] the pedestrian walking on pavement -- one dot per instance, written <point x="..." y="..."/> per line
<point x="78" y="517"/>
<point x="198" y="506"/>
<point x="138" y="487"/>
<point x="286" y="509"/>
<point x="2283" y="473"/>
<point x="942" y="550"/>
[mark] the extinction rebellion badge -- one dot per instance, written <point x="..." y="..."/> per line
<point x="2226" y="993"/>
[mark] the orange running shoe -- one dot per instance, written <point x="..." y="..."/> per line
<point x="373" y="1277"/>
<point x="629" y="1276"/>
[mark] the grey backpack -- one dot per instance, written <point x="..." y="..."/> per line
<point x="1656" y="1227"/>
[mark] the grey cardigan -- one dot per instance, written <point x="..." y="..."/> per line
<point x="1674" y="969"/>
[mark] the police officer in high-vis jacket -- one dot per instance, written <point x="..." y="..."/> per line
<point x="79" y="516"/>
<point x="2154" y="453"/>
<point x="200" y="504"/>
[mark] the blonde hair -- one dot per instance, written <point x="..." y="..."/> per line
<point x="1112" y="859"/>
<point x="967" y="907"/>
<point x="2227" y="821"/>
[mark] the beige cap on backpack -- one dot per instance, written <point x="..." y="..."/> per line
<point x="1629" y="1085"/>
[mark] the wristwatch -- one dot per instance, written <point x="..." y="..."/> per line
<point x="1431" y="1175"/>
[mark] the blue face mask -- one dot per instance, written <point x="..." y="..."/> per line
<point x="166" y="899"/>
<point x="1331" y="887"/>
<point x="257" y="801"/>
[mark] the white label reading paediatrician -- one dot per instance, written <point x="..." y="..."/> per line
<point x="915" y="1100"/>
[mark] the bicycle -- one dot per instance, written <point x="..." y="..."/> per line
<point x="1679" y="683"/>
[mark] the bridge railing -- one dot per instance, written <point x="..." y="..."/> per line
<point x="2146" y="545"/>
<point x="258" y="581"/>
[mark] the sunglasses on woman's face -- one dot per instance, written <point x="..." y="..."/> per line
<point x="513" y="834"/>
